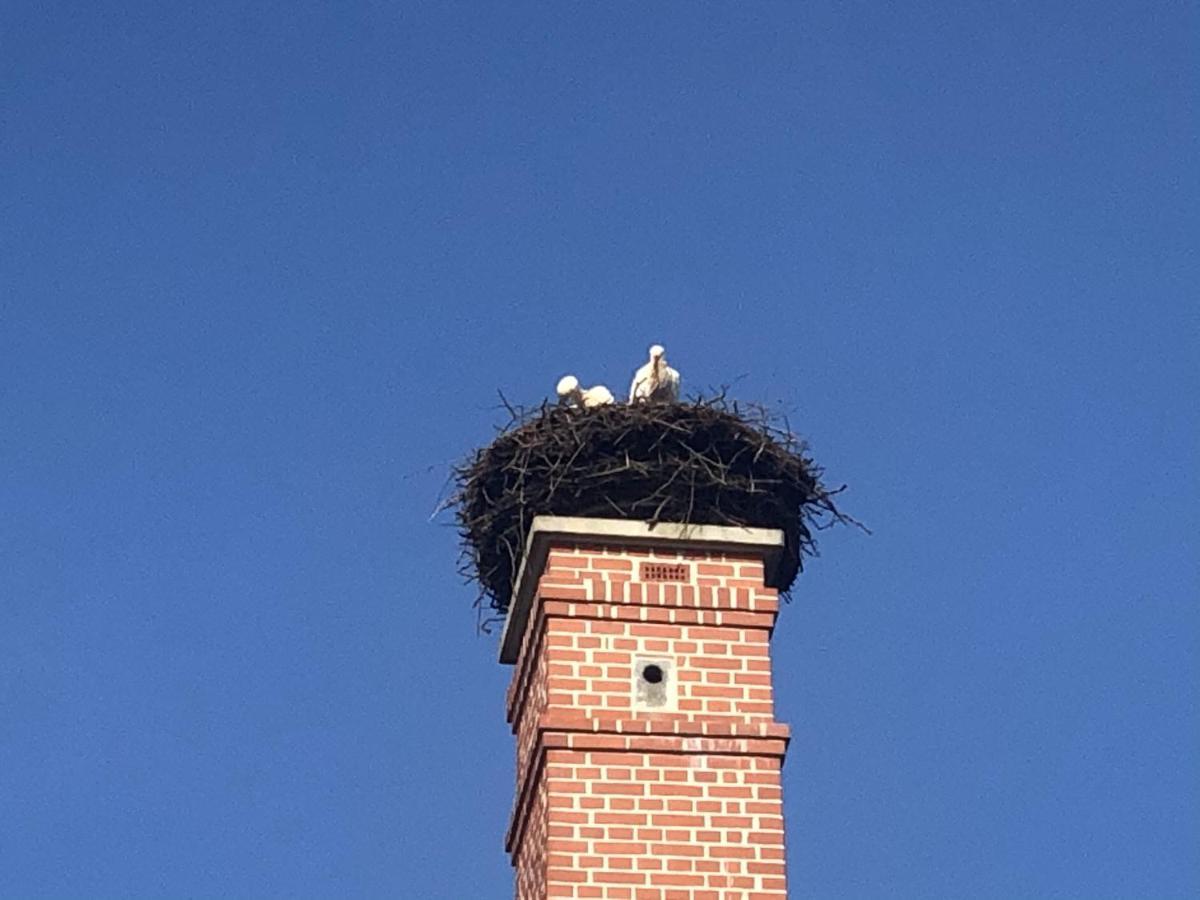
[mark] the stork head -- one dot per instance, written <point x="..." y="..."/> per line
<point x="657" y="352"/>
<point x="568" y="387"/>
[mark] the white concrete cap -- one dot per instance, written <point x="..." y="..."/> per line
<point x="546" y="529"/>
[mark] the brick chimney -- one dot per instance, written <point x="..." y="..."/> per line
<point x="648" y="755"/>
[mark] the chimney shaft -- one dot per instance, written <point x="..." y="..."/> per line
<point x="648" y="755"/>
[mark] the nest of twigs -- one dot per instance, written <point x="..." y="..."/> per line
<point x="707" y="461"/>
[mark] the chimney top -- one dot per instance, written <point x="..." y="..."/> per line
<point x="547" y="530"/>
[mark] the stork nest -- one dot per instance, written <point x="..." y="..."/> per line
<point x="704" y="462"/>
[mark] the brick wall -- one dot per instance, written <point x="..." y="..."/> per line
<point x="648" y="756"/>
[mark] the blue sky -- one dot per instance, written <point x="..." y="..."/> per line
<point x="264" y="268"/>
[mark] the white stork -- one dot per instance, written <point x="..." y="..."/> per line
<point x="655" y="382"/>
<point x="571" y="393"/>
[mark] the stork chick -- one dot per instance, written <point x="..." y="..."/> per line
<point x="571" y="393"/>
<point x="655" y="382"/>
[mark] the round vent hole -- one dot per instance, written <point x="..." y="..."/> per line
<point x="653" y="674"/>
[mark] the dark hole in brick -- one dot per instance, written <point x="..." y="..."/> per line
<point x="652" y="673"/>
<point x="665" y="572"/>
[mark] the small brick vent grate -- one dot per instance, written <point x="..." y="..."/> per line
<point x="666" y="572"/>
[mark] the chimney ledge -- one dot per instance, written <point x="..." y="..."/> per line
<point x="547" y="529"/>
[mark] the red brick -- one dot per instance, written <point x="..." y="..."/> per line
<point x="618" y="802"/>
